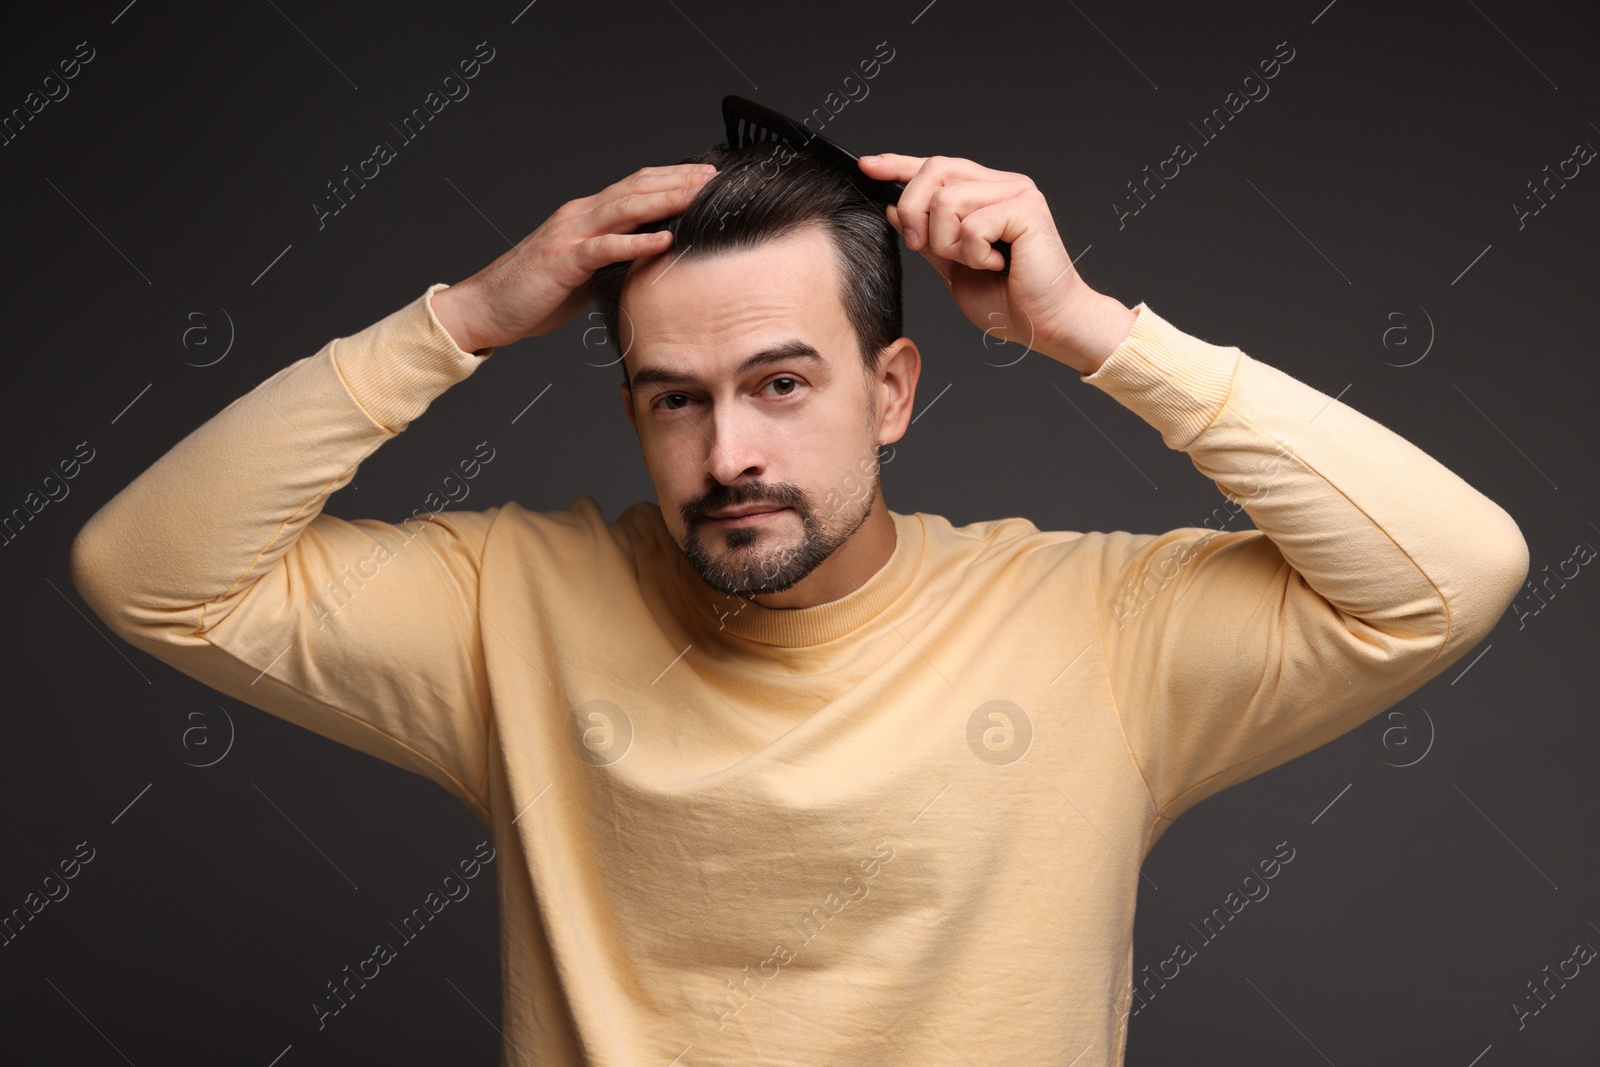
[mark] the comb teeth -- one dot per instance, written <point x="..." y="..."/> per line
<point x="751" y="133"/>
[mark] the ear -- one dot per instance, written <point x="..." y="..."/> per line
<point x="627" y="404"/>
<point x="898" y="370"/>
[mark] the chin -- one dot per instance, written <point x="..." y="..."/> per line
<point x="765" y="564"/>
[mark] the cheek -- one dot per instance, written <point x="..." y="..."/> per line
<point x="848" y="427"/>
<point x="668" y="462"/>
<point x="830" y="458"/>
<point x="676" y="466"/>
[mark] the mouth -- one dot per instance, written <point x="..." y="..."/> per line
<point x="745" y="516"/>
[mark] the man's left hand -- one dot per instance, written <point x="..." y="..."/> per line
<point x="953" y="211"/>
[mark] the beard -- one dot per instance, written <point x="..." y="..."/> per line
<point x="746" y="561"/>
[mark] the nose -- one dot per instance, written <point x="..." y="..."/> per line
<point x="733" y="445"/>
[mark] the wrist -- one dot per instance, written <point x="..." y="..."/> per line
<point x="1087" y="330"/>
<point x="451" y="306"/>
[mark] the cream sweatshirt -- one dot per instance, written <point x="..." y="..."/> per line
<point x="900" y="828"/>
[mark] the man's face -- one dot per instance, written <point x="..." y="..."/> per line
<point x="767" y="406"/>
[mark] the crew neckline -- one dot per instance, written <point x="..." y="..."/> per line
<point x="814" y="625"/>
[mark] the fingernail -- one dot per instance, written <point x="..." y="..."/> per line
<point x="866" y="159"/>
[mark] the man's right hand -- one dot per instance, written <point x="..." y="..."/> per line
<point x="541" y="283"/>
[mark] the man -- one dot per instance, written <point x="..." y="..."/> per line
<point x="774" y="774"/>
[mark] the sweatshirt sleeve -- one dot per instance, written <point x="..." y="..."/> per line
<point x="1372" y="569"/>
<point x="218" y="561"/>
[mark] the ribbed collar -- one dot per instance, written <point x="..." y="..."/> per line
<point x="801" y="627"/>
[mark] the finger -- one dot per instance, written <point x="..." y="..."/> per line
<point x="648" y="180"/>
<point x="980" y="229"/>
<point x="891" y="167"/>
<point x="940" y="264"/>
<point x="930" y="174"/>
<point x="661" y="179"/>
<point x="913" y="204"/>
<point x="900" y="168"/>
<point x="934" y="173"/>
<point x="626" y="211"/>
<point x="951" y="203"/>
<point x="598" y="251"/>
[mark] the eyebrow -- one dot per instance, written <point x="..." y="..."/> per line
<point x="786" y="351"/>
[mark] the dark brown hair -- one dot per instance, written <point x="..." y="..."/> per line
<point x="765" y="191"/>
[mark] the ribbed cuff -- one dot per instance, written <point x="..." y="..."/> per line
<point x="397" y="366"/>
<point x="1173" y="380"/>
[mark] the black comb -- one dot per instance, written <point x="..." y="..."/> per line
<point x="749" y="123"/>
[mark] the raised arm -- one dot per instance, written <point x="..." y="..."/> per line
<point x="1373" y="568"/>
<point x="219" y="560"/>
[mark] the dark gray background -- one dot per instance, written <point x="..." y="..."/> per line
<point x="1322" y="232"/>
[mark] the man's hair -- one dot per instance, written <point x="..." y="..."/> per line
<point x="765" y="191"/>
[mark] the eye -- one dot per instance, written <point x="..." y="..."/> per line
<point x="786" y="386"/>
<point x="661" y="401"/>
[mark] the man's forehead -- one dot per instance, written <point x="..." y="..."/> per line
<point x="671" y="371"/>
<point x="780" y="289"/>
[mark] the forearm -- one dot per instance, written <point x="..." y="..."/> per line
<point x="190" y="534"/>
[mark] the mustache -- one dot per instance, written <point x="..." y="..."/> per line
<point x="783" y="495"/>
